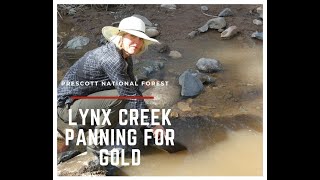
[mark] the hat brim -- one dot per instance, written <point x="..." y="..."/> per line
<point x="110" y="31"/>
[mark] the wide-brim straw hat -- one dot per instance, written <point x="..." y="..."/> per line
<point x="131" y="25"/>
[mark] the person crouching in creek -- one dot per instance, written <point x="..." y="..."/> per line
<point x="111" y="62"/>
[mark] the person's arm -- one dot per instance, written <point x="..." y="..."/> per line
<point x="131" y="75"/>
<point x="130" y="69"/>
<point x="116" y="69"/>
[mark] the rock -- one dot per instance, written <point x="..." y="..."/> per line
<point x="209" y="65"/>
<point x="257" y="35"/>
<point x="72" y="11"/>
<point x="175" y="55"/>
<point x="77" y="42"/>
<point x="204" y="28"/>
<point x="257" y="22"/>
<point x="204" y="8"/>
<point x="190" y="84"/>
<point x="164" y="96"/>
<point x="215" y="23"/>
<point x="225" y="12"/>
<point x="229" y="32"/>
<point x="169" y="6"/>
<point x="151" y="32"/>
<point x="260" y="12"/>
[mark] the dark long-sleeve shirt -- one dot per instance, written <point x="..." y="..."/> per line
<point x="101" y="65"/>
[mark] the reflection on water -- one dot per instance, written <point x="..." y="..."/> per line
<point x="239" y="155"/>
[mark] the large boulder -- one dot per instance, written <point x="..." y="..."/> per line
<point x="164" y="96"/>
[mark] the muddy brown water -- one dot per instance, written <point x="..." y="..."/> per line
<point x="239" y="155"/>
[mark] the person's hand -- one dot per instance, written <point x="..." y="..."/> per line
<point x="158" y="127"/>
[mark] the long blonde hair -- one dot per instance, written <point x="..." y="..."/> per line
<point x="117" y="40"/>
